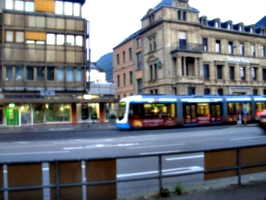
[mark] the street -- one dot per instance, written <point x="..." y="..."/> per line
<point x="113" y="143"/>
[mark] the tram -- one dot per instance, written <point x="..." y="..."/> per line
<point x="148" y="111"/>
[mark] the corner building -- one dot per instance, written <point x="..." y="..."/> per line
<point x="182" y="53"/>
<point x="43" y="62"/>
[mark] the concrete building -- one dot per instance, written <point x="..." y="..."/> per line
<point x="183" y="53"/>
<point x="44" y="63"/>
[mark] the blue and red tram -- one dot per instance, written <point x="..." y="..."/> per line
<point x="147" y="111"/>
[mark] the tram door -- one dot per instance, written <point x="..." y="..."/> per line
<point x="216" y="112"/>
<point x="189" y="113"/>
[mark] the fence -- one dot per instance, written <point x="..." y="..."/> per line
<point x="64" y="178"/>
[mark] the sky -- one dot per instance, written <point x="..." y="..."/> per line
<point x="111" y="21"/>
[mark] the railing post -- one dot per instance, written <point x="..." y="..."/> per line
<point x="57" y="180"/>
<point x="239" y="161"/>
<point x="160" y="174"/>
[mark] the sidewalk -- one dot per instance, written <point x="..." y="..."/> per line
<point x="253" y="188"/>
<point x="61" y="127"/>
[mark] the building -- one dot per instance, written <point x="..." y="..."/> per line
<point x="44" y="64"/>
<point x="182" y="53"/>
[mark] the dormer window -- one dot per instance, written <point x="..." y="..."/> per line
<point x="251" y="30"/>
<point x="204" y="22"/>
<point x="262" y="32"/>
<point x="240" y="28"/>
<point x="216" y="24"/>
<point x="229" y="26"/>
<point x="151" y="18"/>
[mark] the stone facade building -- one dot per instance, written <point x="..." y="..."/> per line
<point x="182" y="53"/>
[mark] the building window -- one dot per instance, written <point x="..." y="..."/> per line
<point x="77" y="7"/>
<point x="252" y="50"/>
<point x="124" y="78"/>
<point x="255" y="92"/>
<point x="206" y="71"/>
<point x="29" y="6"/>
<point x="9" y="36"/>
<point x="130" y="53"/>
<point x="262" y="32"/>
<point x="29" y="73"/>
<point x="19" y="5"/>
<point x="118" y="96"/>
<point x="130" y="78"/>
<point x="151" y="91"/>
<point x="240" y="28"/>
<point x="19" y="73"/>
<point x="254" y="73"/>
<point x="251" y="30"/>
<point x="79" y="40"/>
<point x="60" y="74"/>
<point x="232" y="73"/>
<point x="262" y="51"/>
<point x="50" y="38"/>
<point x="218" y="46"/>
<point x="151" y="18"/>
<point x="59" y="7"/>
<point x="243" y="73"/>
<point x="219" y="72"/>
<point x="155" y="72"/>
<point x="117" y="59"/>
<point x="207" y="91"/>
<point x="182" y="40"/>
<point x="152" y="43"/>
<point x="220" y="92"/>
<point x="191" y="90"/>
<point x="139" y="83"/>
<point x="9" y="4"/>
<point x="70" y="40"/>
<point x="264" y="74"/>
<point x="60" y="39"/>
<point x="9" y="76"/>
<point x="40" y="73"/>
<point x="70" y="74"/>
<point x="151" y="72"/>
<point x="179" y="15"/>
<point x="50" y="73"/>
<point x="19" y="36"/>
<point x="242" y="49"/>
<point x="229" y="26"/>
<point x="139" y="61"/>
<point x="79" y="74"/>
<point x="264" y="91"/>
<point x="230" y="47"/>
<point x="204" y="21"/>
<point x="118" y="80"/>
<point x="68" y="8"/>
<point x="217" y="25"/>
<point x="205" y="44"/>
<point x="185" y="16"/>
<point x="124" y="57"/>
<point x="155" y="91"/>
<point x="138" y="42"/>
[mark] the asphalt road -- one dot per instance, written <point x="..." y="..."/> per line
<point x="113" y="143"/>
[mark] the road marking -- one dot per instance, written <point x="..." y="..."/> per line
<point x="211" y="133"/>
<point x="167" y="145"/>
<point x="166" y="171"/>
<point x="185" y="157"/>
<point x="72" y="148"/>
<point x="26" y="153"/>
<point x="247" y="138"/>
<point x="159" y="152"/>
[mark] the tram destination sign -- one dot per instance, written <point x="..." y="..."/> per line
<point x="236" y="60"/>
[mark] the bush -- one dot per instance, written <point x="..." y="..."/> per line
<point x="178" y="188"/>
<point x="165" y="192"/>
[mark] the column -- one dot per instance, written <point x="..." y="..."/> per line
<point x="196" y="67"/>
<point x="259" y="74"/>
<point x="185" y="66"/>
<point x="212" y="72"/>
<point x="237" y="73"/>
<point x="200" y="68"/>
<point x="179" y="66"/>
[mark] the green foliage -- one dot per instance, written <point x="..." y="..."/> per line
<point x="178" y="188"/>
<point x="165" y="192"/>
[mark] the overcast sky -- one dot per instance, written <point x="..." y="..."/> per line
<point x="111" y="21"/>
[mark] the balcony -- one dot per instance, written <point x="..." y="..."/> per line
<point x="188" y="47"/>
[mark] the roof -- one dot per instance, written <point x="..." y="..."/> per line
<point x="128" y="38"/>
<point x="77" y="1"/>
<point x="169" y="3"/>
<point x="93" y="65"/>
<point x="261" y="22"/>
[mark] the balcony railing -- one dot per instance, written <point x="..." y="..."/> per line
<point x="187" y="47"/>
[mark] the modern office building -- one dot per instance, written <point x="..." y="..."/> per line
<point x="178" y="52"/>
<point x="44" y="63"/>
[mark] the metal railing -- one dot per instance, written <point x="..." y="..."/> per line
<point x="242" y="163"/>
<point x="187" y="47"/>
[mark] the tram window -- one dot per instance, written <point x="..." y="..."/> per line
<point x="260" y="106"/>
<point x="203" y="110"/>
<point x="218" y="110"/>
<point x="193" y="111"/>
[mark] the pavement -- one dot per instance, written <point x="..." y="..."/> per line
<point x="253" y="186"/>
